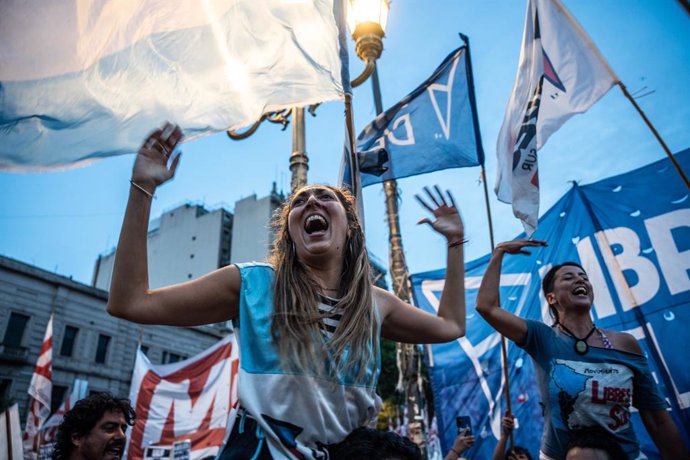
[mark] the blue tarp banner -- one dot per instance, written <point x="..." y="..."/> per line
<point x="631" y="233"/>
<point x="434" y="127"/>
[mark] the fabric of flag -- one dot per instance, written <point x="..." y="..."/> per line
<point x="194" y="399"/>
<point x="631" y="233"/>
<point x="434" y="127"/>
<point x="85" y="79"/>
<point x="561" y="73"/>
<point x="39" y="391"/>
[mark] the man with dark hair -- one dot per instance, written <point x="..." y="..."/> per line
<point x="94" y="429"/>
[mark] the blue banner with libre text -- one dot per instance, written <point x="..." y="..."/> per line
<point x="631" y="233"/>
<point x="434" y="127"/>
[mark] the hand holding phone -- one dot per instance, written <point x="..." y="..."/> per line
<point x="462" y="422"/>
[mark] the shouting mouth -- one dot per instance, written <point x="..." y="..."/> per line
<point x="114" y="451"/>
<point x="580" y="290"/>
<point x="315" y="223"/>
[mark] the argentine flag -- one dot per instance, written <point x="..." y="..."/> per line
<point x="86" y="79"/>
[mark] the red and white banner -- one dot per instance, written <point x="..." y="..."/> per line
<point x="39" y="391"/>
<point x="191" y="399"/>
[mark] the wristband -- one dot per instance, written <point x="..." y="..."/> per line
<point x="457" y="243"/>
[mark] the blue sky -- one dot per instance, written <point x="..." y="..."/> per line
<point x="61" y="221"/>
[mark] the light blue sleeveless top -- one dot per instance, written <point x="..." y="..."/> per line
<point x="299" y="413"/>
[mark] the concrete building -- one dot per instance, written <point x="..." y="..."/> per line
<point x="252" y="234"/>
<point x="184" y="243"/>
<point x="190" y="240"/>
<point x="88" y="343"/>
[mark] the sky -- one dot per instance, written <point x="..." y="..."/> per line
<point x="61" y="221"/>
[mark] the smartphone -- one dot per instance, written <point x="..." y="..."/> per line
<point x="462" y="422"/>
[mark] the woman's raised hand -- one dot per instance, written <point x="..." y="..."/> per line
<point x="518" y="246"/>
<point x="151" y="165"/>
<point x="447" y="219"/>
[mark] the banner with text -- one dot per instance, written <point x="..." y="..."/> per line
<point x="631" y="233"/>
<point x="188" y="400"/>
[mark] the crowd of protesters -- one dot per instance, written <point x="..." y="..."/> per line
<point x="309" y="324"/>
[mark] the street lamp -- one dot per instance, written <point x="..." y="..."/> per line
<point x="367" y="20"/>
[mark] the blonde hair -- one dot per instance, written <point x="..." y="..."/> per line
<point x="296" y="317"/>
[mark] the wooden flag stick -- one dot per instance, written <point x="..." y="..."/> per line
<point x="656" y="134"/>
<point x="350" y="133"/>
<point x="504" y="346"/>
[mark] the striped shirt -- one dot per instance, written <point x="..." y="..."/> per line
<point x="328" y="306"/>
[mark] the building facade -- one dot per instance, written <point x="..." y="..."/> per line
<point x="184" y="243"/>
<point x="88" y="343"/>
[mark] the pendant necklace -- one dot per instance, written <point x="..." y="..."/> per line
<point x="581" y="346"/>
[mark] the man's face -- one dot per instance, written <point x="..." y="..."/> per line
<point x="106" y="440"/>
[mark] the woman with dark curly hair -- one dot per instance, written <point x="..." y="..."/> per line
<point x="94" y="429"/>
<point x="308" y="323"/>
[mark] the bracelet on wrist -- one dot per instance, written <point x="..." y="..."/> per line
<point x="457" y="454"/>
<point x="142" y="189"/>
<point x="458" y="242"/>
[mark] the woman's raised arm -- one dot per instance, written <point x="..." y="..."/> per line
<point x="403" y="322"/>
<point x="209" y="299"/>
<point x="489" y="299"/>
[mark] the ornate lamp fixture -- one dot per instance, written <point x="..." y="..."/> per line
<point x="367" y="20"/>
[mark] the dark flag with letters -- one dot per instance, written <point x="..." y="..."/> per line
<point x="434" y="127"/>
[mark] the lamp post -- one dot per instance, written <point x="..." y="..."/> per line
<point x="367" y="20"/>
<point x="299" y="162"/>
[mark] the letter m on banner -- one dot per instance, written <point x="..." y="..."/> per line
<point x="191" y="399"/>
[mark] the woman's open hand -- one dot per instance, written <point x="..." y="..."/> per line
<point x="151" y="165"/>
<point x="518" y="246"/>
<point x="447" y="219"/>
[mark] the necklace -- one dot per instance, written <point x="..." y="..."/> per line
<point x="581" y="346"/>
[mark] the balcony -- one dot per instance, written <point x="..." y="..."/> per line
<point x="13" y="354"/>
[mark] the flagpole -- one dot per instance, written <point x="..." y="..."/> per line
<point x="354" y="165"/>
<point x="504" y="346"/>
<point x="656" y="133"/>
<point x="617" y="81"/>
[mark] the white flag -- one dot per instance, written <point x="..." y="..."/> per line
<point x="561" y="73"/>
<point x="39" y="391"/>
<point x="84" y="79"/>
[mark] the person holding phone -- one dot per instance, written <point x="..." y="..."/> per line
<point x="587" y="376"/>
<point x="308" y="323"/>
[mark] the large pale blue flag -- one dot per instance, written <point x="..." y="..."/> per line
<point x="434" y="127"/>
<point x="85" y="79"/>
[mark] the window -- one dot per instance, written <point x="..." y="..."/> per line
<point x="15" y="330"/>
<point x="144" y="349"/>
<point x="102" y="349"/>
<point x="68" y="340"/>
<point x="169" y="357"/>
<point x="57" y="397"/>
<point x="5" y="385"/>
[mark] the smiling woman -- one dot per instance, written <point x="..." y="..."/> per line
<point x="308" y="323"/>
<point x="588" y="377"/>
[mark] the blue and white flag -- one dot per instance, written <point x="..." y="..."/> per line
<point x="631" y="233"/>
<point x="85" y="79"/>
<point x="561" y="73"/>
<point x="434" y="127"/>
